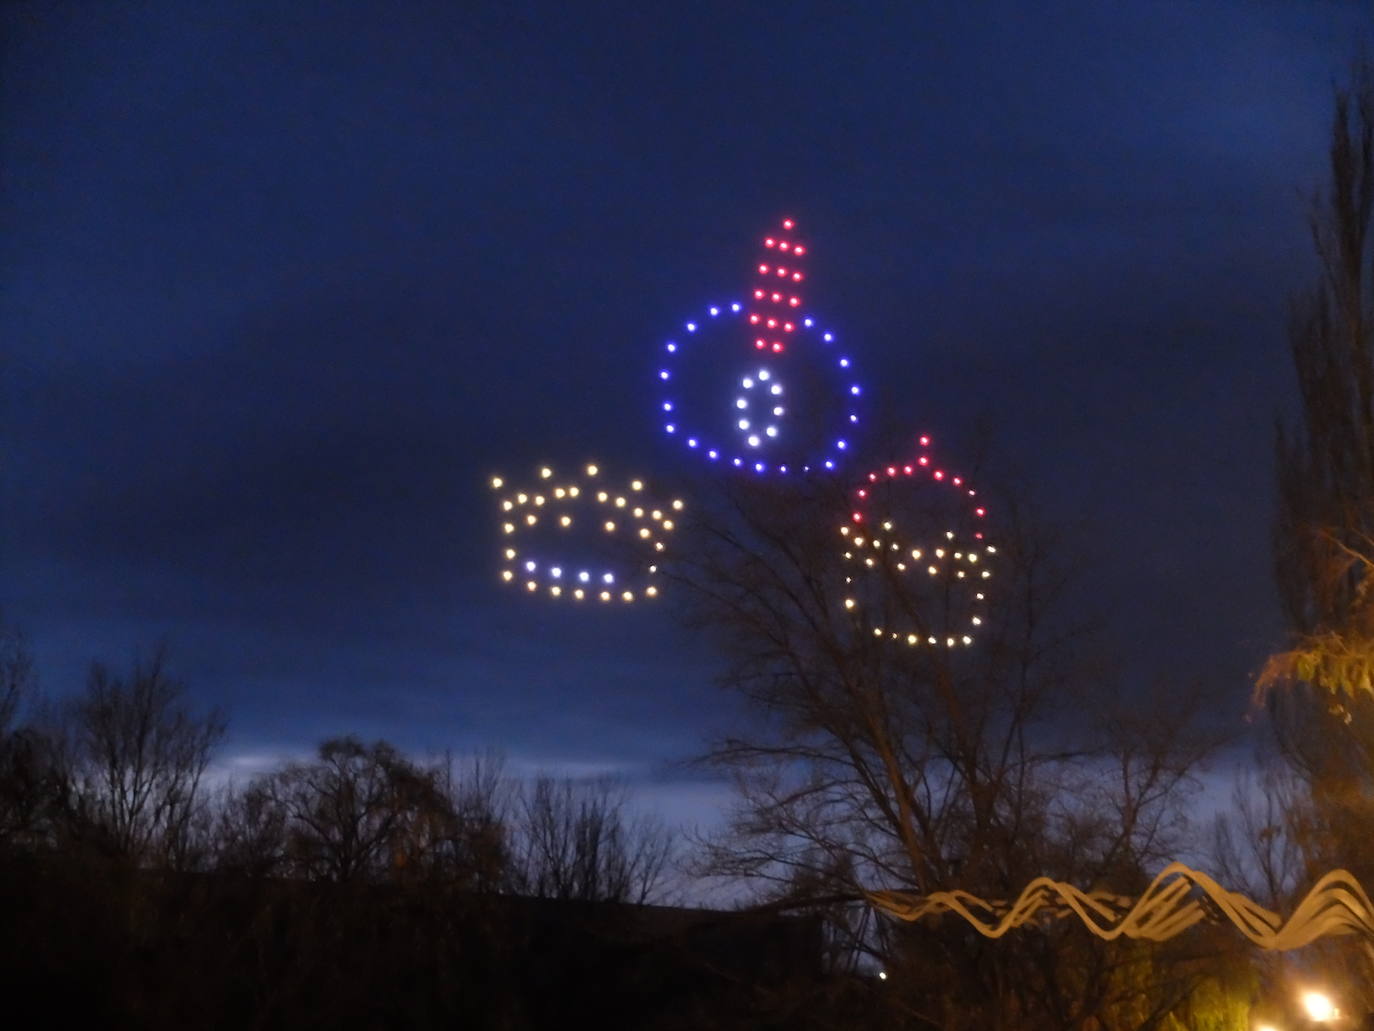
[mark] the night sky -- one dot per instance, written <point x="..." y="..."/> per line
<point x="283" y="285"/>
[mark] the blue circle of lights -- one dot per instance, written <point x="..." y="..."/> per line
<point x="750" y="431"/>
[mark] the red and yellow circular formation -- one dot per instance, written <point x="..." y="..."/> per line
<point x="917" y="576"/>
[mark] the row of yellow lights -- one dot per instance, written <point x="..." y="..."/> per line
<point x="579" y="593"/>
<point x="877" y="544"/>
<point x="916" y="553"/>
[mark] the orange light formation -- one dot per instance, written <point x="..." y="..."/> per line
<point x="1177" y="899"/>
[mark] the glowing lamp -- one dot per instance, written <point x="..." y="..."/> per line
<point x="1319" y="1007"/>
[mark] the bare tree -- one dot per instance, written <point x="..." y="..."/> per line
<point x="354" y="811"/>
<point x="887" y="750"/>
<point x="366" y="812"/>
<point x="1324" y="533"/>
<point x="1324" y="538"/>
<point x="134" y="757"/>
<point x="477" y="853"/>
<point x="1257" y="846"/>
<point x="26" y="774"/>
<point x="250" y="831"/>
<point x="16" y="675"/>
<point x="578" y="840"/>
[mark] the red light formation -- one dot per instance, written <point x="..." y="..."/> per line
<point x="779" y="262"/>
<point x="893" y="472"/>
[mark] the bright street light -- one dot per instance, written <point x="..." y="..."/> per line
<point x="1319" y="1007"/>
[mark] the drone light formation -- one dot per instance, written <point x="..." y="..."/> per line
<point x="774" y="326"/>
<point x="946" y="556"/>
<point x="780" y="367"/>
<point x="776" y="294"/>
<point x="585" y="499"/>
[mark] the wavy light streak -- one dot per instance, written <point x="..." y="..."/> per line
<point x="1178" y="898"/>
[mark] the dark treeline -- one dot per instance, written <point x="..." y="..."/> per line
<point x="360" y="888"/>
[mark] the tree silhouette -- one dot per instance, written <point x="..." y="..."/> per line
<point x="1324" y="547"/>
<point x="1324" y="532"/>
<point x="871" y="762"/>
<point x="133" y="758"/>
<point x="579" y="841"/>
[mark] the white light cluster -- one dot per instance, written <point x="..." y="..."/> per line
<point x="755" y="428"/>
<point x="573" y="501"/>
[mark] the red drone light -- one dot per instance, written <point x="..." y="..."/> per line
<point x="763" y="292"/>
<point x="959" y="566"/>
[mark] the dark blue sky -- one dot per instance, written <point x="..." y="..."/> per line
<point x="284" y="283"/>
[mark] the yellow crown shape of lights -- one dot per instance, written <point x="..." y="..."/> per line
<point x="565" y="505"/>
